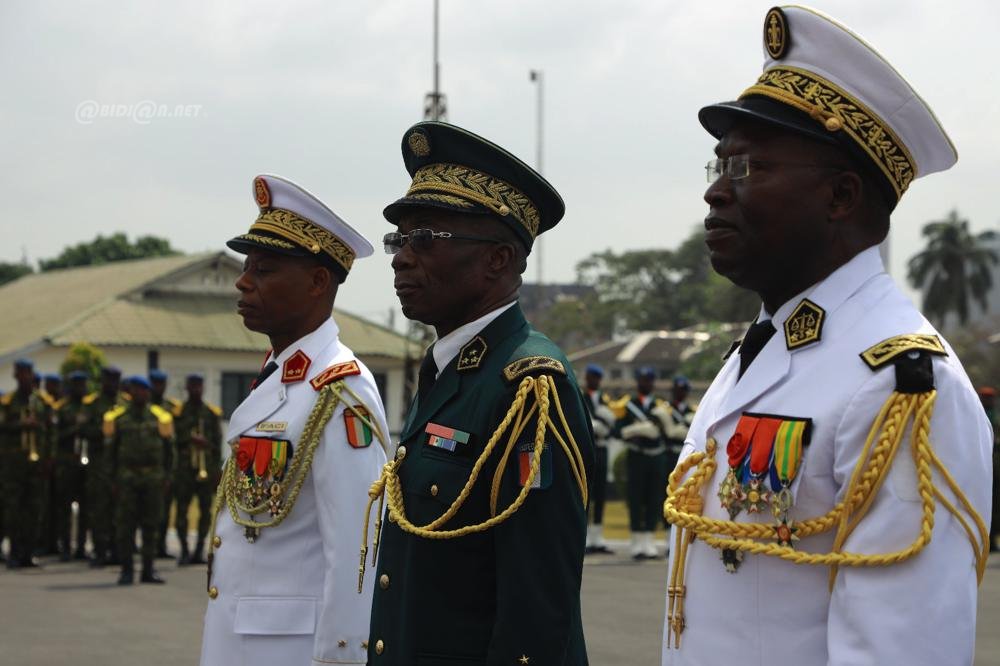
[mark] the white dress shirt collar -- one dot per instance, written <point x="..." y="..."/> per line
<point x="447" y="348"/>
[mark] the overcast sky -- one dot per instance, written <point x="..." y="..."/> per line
<point x="321" y="92"/>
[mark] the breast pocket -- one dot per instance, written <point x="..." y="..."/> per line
<point x="273" y="616"/>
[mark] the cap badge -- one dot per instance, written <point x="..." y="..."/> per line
<point x="419" y="144"/>
<point x="804" y="325"/>
<point x="261" y="193"/>
<point x="776" y="37"/>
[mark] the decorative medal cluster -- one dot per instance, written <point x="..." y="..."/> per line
<point x="262" y="464"/>
<point x="764" y="456"/>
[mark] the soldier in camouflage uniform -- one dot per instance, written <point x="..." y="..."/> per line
<point x="71" y="420"/>
<point x="158" y="382"/>
<point x="51" y="392"/>
<point x="139" y="455"/>
<point x="25" y="447"/>
<point x="199" y="458"/>
<point x="98" y="482"/>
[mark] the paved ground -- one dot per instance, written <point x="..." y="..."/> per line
<point x="69" y="614"/>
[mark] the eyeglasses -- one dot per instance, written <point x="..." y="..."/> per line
<point x="738" y="166"/>
<point x="422" y="239"/>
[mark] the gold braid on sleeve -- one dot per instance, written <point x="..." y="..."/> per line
<point x="684" y="505"/>
<point x="388" y="488"/>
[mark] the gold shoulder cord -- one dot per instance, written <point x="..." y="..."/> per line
<point x="684" y="505"/>
<point x="298" y="470"/>
<point x="388" y="485"/>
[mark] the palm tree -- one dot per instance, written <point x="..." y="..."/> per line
<point x="956" y="266"/>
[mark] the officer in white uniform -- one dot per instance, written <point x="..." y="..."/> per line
<point x="830" y="500"/>
<point x="307" y="443"/>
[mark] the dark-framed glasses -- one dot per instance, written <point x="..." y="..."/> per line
<point x="421" y="240"/>
<point x="736" y="167"/>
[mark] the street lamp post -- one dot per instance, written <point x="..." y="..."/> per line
<point x="537" y="76"/>
<point x="435" y="103"/>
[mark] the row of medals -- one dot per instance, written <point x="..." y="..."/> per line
<point x="255" y="492"/>
<point x="753" y="497"/>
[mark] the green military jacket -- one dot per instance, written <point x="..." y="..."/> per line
<point x="204" y="419"/>
<point x="71" y="426"/>
<point x="509" y="594"/>
<point x="98" y="404"/>
<point x="138" y="439"/>
<point x="14" y="437"/>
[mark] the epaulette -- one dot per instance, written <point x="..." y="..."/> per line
<point x="7" y="398"/>
<point x="532" y="365"/>
<point x="165" y="420"/>
<point x="47" y="398"/>
<point x="60" y="403"/>
<point x="177" y="409"/>
<point x="110" y="416"/>
<point x="90" y="398"/>
<point x="911" y="355"/>
<point x="334" y="373"/>
<point x="215" y="409"/>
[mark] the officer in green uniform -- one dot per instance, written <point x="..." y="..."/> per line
<point x="158" y="382"/>
<point x="139" y="455"/>
<point x="25" y="448"/>
<point x="52" y="393"/>
<point x="481" y="556"/>
<point x="71" y="422"/>
<point x="98" y="480"/>
<point x="198" y="426"/>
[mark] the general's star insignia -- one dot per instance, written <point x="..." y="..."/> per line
<point x="471" y="355"/>
<point x="524" y="659"/>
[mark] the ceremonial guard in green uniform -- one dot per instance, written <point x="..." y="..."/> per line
<point x="71" y="420"/>
<point x="139" y="456"/>
<point x="602" y="420"/>
<point x="199" y="455"/>
<point x="481" y="556"/>
<point x="52" y="392"/>
<point x="158" y="382"/>
<point x="25" y="447"/>
<point x="97" y="478"/>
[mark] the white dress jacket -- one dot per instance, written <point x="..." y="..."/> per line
<point x="291" y="597"/>
<point x="771" y="611"/>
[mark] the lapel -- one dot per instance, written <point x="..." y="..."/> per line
<point x="450" y="380"/>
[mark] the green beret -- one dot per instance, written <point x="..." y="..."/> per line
<point x="456" y="170"/>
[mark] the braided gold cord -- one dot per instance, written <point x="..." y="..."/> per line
<point x="390" y="487"/>
<point x="684" y="505"/>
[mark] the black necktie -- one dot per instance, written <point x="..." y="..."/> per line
<point x="756" y="337"/>
<point x="265" y="372"/>
<point x="427" y="376"/>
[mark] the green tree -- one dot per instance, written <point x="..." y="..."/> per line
<point x="84" y="356"/>
<point x="105" y="249"/>
<point x="10" y="272"/>
<point x="954" y="268"/>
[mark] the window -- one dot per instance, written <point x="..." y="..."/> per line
<point x="235" y="387"/>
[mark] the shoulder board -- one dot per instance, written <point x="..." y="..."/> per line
<point x="90" y="398"/>
<point x="215" y="409"/>
<point x="7" y="398"/>
<point x="110" y="416"/>
<point x="47" y="398"/>
<point x="176" y="410"/>
<point x="335" y="372"/>
<point x="532" y="365"/>
<point x="889" y="350"/>
<point x="173" y="403"/>
<point x="166" y="421"/>
<point x="60" y="403"/>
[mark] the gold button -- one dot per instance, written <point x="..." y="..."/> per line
<point x="341" y="643"/>
<point x="216" y="542"/>
<point x="401" y="452"/>
<point x="383" y="581"/>
<point x="379" y="646"/>
<point x="833" y="124"/>
<point x="434" y="490"/>
<point x="213" y="592"/>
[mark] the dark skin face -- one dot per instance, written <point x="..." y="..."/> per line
<point x="783" y="228"/>
<point x="53" y="388"/>
<point x="77" y="388"/>
<point x="679" y="392"/>
<point x="25" y="378"/>
<point x="644" y="384"/>
<point x="455" y="281"/>
<point x="593" y="381"/>
<point x="194" y="389"/>
<point x="159" y="386"/>
<point x="284" y="297"/>
<point x="140" y="395"/>
<point x="110" y="384"/>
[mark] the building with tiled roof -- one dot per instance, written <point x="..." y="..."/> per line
<point x="174" y="313"/>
